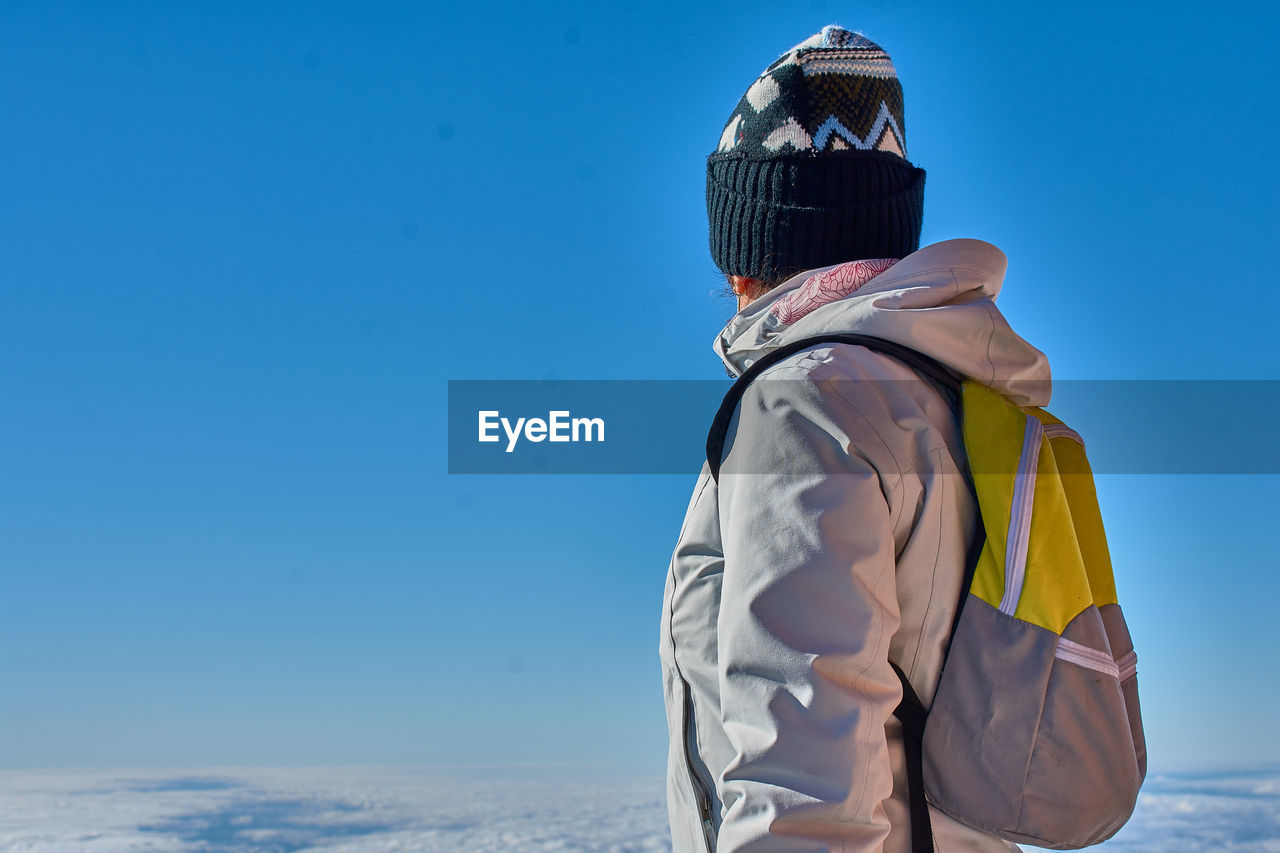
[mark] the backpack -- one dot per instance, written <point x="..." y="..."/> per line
<point x="1035" y="733"/>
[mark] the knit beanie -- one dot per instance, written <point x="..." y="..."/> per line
<point x="812" y="168"/>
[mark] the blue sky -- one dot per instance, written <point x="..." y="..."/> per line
<point x="246" y="245"/>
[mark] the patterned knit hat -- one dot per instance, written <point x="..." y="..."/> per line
<point x="811" y="169"/>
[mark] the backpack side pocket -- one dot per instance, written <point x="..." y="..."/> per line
<point x="1029" y="736"/>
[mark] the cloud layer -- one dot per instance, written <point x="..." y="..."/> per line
<point x="564" y="809"/>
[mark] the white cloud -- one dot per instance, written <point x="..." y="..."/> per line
<point x="485" y="810"/>
<point x="337" y="810"/>
<point x="1187" y="813"/>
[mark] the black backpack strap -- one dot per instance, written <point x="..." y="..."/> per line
<point x="911" y="713"/>
<point x="942" y="378"/>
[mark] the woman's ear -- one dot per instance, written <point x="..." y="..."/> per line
<point x="746" y="289"/>
<point x="744" y="286"/>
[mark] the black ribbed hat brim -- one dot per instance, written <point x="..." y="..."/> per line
<point x="772" y="218"/>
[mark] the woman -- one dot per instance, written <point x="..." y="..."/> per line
<point x="833" y="545"/>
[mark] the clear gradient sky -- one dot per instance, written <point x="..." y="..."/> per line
<point x="243" y="246"/>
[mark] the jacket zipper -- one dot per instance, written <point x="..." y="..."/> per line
<point x="699" y="790"/>
<point x="1024" y="493"/>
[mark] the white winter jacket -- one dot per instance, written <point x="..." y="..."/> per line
<point x="833" y="544"/>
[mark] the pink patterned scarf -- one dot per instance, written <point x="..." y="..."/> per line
<point x="821" y="288"/>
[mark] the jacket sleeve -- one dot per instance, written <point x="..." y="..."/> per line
<point x="808" y="608"/>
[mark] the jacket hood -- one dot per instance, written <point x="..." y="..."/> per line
<point x="939" y="301"/>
